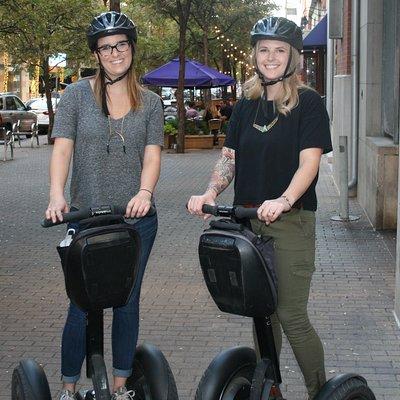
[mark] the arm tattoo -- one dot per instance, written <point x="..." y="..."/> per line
<point x="224" y="171"/>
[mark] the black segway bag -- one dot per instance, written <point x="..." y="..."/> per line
<point x="238" y="267"/>
<point x="100" y="266"/>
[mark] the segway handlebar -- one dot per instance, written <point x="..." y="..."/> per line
<point x="83" y="213"/>
<point x="230" y="211"/>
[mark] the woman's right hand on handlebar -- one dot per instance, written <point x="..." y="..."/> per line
<point x="195" y="203"/>
<point x="56" y="207"/>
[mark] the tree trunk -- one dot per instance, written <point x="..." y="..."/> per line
<point x="115" y="5"/>
<point x="180" y="148"/>
<point x="205" y="47"/>
<point x="183" y="10"/>
<point x="207" y="92"/>
<point x="47" y="89"/>
<point x="226" y="65"/>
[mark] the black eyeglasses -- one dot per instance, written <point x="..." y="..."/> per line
<point x="108" y="49"/>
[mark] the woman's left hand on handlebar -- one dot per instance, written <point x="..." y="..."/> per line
<point x="270" y="210"/>
<point x="57" y="206"/>
<point x="139" y="205"/>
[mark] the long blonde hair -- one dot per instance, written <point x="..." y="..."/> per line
<point x="135" y="91"/>
<point x="288" y="97"/>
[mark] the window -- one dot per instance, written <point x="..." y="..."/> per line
<point x="291" y="11"/>
<point x="1" y="103"/>
<point x="10" y="103"/>
<point x="19" y="104"/>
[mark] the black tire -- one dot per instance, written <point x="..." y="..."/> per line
<point x="29" y="382"/>
<point x="151" y="378"/>
<point x="346" y="387"/>
<point x="99" y="378"/>
<point x="229" y="376"/>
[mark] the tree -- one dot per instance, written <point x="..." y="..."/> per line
<point x="115" y="5"/>
<point x="228" y="19"/>
<point x="157" y="37"/>
<point x="34" y="31"/>
<point x="178" y="11"/>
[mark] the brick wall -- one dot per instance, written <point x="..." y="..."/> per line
<point x="343" y="46"/>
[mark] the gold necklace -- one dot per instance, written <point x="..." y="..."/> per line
<point x="264" y="128"/>
<point x="116" y="133"/>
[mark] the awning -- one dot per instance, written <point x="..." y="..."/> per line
<point x="196" y="75"/>
<point x="317" y="36"/>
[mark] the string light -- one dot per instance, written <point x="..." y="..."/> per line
<point x="34" y="82"/>
<point x="5" y="76"/>
<point x="233" y="53"/>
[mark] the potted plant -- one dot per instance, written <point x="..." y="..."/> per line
<point x="170" y="132"/>
<point x="197" y="135"/>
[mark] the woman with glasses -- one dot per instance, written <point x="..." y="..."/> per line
<point x="114" y="130"/>
<point x="276" y="136"/>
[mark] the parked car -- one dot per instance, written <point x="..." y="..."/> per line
<point x="13" y="109"/>
<point x="39" y="107"/>
<point x="170" y="112"/>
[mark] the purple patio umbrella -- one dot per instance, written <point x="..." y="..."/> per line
<point x="196" y="75"/>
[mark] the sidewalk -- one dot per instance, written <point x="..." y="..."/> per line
<point x="351" y="302"/>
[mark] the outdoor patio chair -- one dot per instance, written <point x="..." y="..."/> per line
<point x="8" y="141"/>
<point x="214" y="126"/>
<point x="33" y="133"/>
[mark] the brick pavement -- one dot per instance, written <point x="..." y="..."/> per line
<point x="351" y="301"/>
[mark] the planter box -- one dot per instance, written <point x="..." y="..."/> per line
<point x="199" y="142"/>
<point x="169" y="141"/>
<point x="221" y="141"/>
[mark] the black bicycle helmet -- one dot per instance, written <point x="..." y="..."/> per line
<point x="110" y="23"/>
<point x="277" y="28"/>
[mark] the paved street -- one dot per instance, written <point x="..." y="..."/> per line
<point x="351" y="302"/>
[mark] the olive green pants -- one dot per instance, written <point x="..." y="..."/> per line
<point x="294" y="237"/>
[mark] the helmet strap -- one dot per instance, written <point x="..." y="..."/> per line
<point x="270" y="112"/>
<point x="106" y="80"/>
<point x="112" y="81"/>
<point x="103" y="91"/>
<point x="285" y="75"/>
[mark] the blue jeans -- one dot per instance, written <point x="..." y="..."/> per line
<point x="125" y="325"/>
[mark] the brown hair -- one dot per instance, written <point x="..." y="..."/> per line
<point x="289" y="97"/>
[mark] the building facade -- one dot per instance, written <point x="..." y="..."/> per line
<point x="13" y="78"/>
<point x="364" y="36"/>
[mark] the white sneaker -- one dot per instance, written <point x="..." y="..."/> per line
<point x="123" y="394"/>
<point x="66" y="395"/>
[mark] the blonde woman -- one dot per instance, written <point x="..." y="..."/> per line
<point x="114" y="129"/>
<point x="276" y="136"/>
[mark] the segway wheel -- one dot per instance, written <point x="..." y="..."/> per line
<point x="229" y="376"/>
<point x="29" y="382"/>
<point x="346" y="387"/>
<point x="151" y="378"/>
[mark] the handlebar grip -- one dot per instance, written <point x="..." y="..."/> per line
<point x="242" y="212"/>
<point x="83" y="213"/>
<point x="209" y="209"/>
<point x="68" y="217"/>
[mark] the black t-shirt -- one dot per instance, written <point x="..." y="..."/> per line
<point x="266" y="162"/>
<point x="226" y="111"/>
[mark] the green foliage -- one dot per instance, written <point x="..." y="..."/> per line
<point x="170" y="128"/>
<point x="158" y="36"/>
<point x="203" y="127"/>
<point x="33" y="30"/>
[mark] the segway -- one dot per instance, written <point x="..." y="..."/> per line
<point x="100" y="267"/>
<point x="237" y="266"/>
